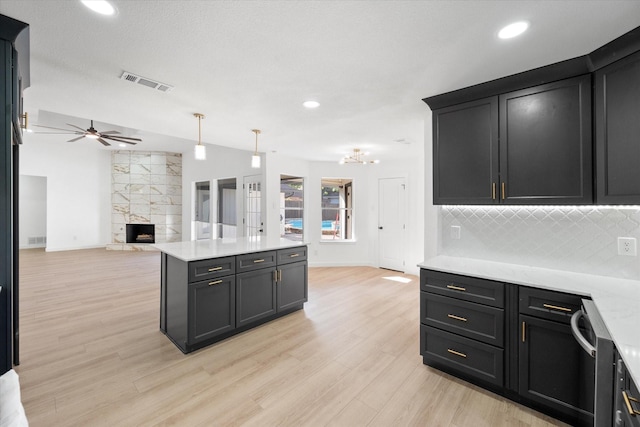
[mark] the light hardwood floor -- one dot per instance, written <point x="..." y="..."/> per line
<point x="92" y="354"/>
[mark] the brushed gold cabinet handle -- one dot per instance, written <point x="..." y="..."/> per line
<point x="503" y="192"/>
<point x="453" y="316"/>
<point x="216" y="282"/>
<point x="215" y="269"/>
<point x="627" y="401"/>
<point x="293" y="255"/>
<point x="457" y="353"/>
<point x="557" y="307"/>
<point x="493" y="191"/>
<point x="279" y="275"/>
<point x="257" y="261"/>
<point x="275" y="275"/>
<point x="523" y="331"/>
<point x="456" y="288"/>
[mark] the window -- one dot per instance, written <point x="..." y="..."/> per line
<point x="337" y="208"/>
<point x="291" y="207"/>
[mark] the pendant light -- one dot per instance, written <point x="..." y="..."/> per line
<point x="200" y="150"/>
<point x="255" y="159"/>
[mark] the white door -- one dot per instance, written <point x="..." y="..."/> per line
<point x="391" y="223"/>
<point x="253" y="225"/>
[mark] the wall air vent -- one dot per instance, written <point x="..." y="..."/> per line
<point x="130" y="77"/>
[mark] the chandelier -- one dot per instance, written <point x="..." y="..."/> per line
<point x="357" y="157"/>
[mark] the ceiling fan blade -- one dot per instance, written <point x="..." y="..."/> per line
<point x="75" y="139"/>
<point x="103" y="142"/>
<point x="54" y="133"/>
<point x="66" y="130"/>
<point x="118" y="138"/>
<point x="77" y="127"/>
<point x="108" y="132"/>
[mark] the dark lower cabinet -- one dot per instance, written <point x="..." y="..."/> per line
<point x="554" y="371"/>
<point x="255" y="295"/>
<point x="512" y="340"/>
<point x="626" y="398"/>
<point x="212" y="308"/>
<point x="206" y="301"/>
<point x="291" y="287"/>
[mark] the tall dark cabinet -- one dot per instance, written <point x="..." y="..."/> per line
<point x="617" y="112"/>
<point x="14" y="77"/>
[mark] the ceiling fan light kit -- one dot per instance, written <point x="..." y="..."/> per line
<point x="200" y="151"/>
<point x="92" y="133"/>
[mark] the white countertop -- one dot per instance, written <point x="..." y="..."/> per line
<point x="194" y="250"/>
<point x="617" y="300"/>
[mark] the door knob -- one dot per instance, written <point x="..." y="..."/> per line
<point x="380" y="228"/>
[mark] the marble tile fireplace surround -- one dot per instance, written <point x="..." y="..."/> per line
<point x="146" y="188"/>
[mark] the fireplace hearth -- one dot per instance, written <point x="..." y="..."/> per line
<point x="141" y="233"/>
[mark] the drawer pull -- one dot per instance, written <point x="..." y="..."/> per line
<point x="557" y="307"/>
<point x="524" y="328"/>
<point x="255" y="261"/>
<point x="456" y="288"/>
<point x="457" y="353"/>
<point x="215" y="269"/>
<point x="630" y="403"/>
<point x="294" y="255"/>
<point x="215" y="282"/>
<point x="453" y="316"/>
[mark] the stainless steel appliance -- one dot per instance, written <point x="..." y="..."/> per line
<point x="591" y="333"/>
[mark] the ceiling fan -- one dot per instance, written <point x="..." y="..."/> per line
<point x="92" y="133"/>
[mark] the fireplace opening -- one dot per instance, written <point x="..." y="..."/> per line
<point x="141" y="233"/>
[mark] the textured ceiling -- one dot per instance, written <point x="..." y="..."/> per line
<point x="251" y="64"/>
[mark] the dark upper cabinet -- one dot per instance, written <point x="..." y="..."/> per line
<point x="532" y="146"/>
<point x="545" y="144"/>
<point x="465" y="153"/>
<point x="617" y="132"/>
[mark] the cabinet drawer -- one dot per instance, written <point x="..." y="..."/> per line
<point x="255" y="261"/>
<point x="286" y="256"/>
<point x="462" y="287"/>
<point x="550" y="305"/>
<point x="466" y="318"/>
<point x="211" y="268"/>
<point x="444" y="350"/>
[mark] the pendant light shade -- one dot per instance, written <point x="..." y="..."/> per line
<point x="255" y="159"/>
<point x="200" y="151"/>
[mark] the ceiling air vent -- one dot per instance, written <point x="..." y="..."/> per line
<point x="130" y="77"/>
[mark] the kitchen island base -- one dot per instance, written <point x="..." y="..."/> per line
<point x="206" y="300"/>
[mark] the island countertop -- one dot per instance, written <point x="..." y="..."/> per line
<point x="195" y="250"/>
<point x="617" y="300"/>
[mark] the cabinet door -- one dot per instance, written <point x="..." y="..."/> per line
<point x="255" y="295"/>
<point x="465" y="153"/>
<point x="545" y="144"/>
<point x="554" y="370"/>
<point x="211" y="308"/>
<point x="617" y="111"/>
<point x="292" y="285"/>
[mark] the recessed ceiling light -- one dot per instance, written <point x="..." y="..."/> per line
<point x="122" y="145"/>
<point x="513" y="30"/>
<point x="311" y="104"/>
<point x="102" y="7"/>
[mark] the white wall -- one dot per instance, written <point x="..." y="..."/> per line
<point x="78" y="189"/>
<point x="33" y="210"/>
<point x="431" y="212"/>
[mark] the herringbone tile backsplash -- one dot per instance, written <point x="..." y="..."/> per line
<point x="580" y="239"/>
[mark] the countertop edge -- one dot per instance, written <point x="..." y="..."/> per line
<point x="196" y="250"/>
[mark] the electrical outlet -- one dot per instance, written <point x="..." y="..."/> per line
<point x="455" y="232"/>
<point x="627" y="246"/>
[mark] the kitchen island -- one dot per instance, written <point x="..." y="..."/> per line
<point x="213" y="289"/>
